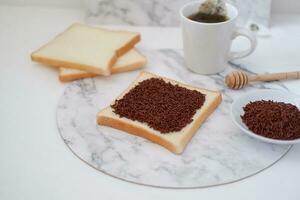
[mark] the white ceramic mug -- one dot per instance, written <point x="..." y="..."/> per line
<point x="206" y="46"/>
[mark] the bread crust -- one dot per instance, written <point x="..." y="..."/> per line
<point x="71" y="77"/>
<point x="139" y="131"/>
<point x="135" y="130"/>
<point x="124" y="49"/>
<point x="66" y="64"/>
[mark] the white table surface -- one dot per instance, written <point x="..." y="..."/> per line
<point x="36" y="164"/>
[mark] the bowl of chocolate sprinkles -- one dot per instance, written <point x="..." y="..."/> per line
<point x="268" y="115"/>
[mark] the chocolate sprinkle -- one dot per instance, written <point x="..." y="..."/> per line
<point x="163" y="106"/>
<point x="276" y="120"/>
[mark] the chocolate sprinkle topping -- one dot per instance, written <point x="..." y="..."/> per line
<point x="163" y="106"/>
<point x="276" y="120"/>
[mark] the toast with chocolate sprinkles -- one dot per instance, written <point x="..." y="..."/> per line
<point x="161" y="110"/>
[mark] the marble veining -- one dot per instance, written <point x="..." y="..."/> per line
<point x="219" y="153"/>
<point x="254" y="14"/>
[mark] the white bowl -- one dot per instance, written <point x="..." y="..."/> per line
<point x="265" y="94"/>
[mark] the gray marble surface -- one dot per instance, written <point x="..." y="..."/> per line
<point x="219" y="152"/>
<point x="165" y="12"/>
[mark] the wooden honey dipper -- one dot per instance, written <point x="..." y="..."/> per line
<point x="238" y="79"/>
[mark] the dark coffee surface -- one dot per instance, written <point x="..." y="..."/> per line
<point x="207" y="18"/>
<point x="276" y="120"/>
<point x="163" y="106"/>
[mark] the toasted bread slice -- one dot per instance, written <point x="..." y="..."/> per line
<point x="129" y="61"/>
<point x="86" y="48"/>
<point x="174" y="141"/>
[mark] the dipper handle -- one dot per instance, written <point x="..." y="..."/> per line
<point x="276" y="76"/>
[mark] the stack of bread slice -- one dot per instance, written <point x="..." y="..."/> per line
<point x="84" y="51"/>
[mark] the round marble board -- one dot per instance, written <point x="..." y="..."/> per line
<point x="218" y="153"/>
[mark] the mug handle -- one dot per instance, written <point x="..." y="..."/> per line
<point x="253" y="43"/>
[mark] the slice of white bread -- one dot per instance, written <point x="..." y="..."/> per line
<point x="174" y="141"/>
<point x="86" y="48"/>
<point x="131" y="60"/>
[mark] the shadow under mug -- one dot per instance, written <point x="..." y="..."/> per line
<point x="206" y="46"/>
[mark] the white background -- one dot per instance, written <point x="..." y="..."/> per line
<point x="277" y="5"/>
<point x="34" y="161"/>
